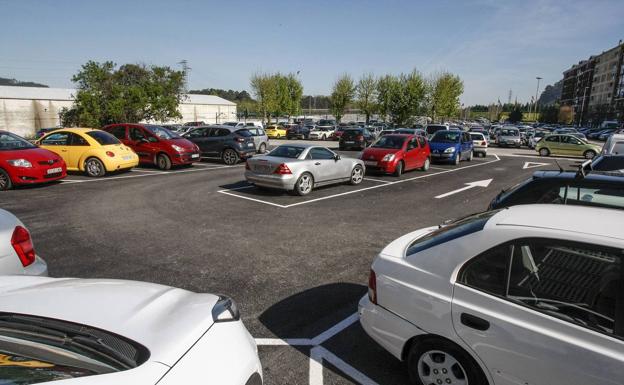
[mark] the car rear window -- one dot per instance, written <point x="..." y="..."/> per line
<point x="244" y="132"/>
<point x="476" y="136"/>
<point x="448" y="232"/>
<point x="446" y="136"/>
<point x="292" y="152"/>
<point x="103" y="138"/>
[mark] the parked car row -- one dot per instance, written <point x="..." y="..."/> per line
<point x="481" y="299"/>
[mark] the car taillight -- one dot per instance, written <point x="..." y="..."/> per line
<point x="483" y="143"/>
<point x="282" y="169"/>
<point x="110" y="153"/>
<point x="239" y="139"/>
<point x="247" y="166"/>
<point x="23" y="246"/>
<point x="372" y="287"/>
<point x="359" y="137"/>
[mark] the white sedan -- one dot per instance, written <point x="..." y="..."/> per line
<point x="525" y="295"/>
<point x="97" y="331"/>
<point x="17" y="253"/>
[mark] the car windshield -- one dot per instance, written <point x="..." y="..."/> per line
<point x="162" y="132"/>
<point x="10" y="141"/>
<point x="434" y="128"/>
<point x="446" y="136"/>
<point x="292" y="152"/>
<point x="103" y="138"/>
<point x="323" y="122"/>
<point x="405" y="131"/>
<point x="509" y="132"/>
<point x="450" y="231"/>
<point x="231" y="124"/>
<point x="389" y="141"/>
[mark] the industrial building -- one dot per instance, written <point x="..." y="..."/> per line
<point x="23" y="110"/>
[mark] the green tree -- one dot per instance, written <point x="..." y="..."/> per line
<point x="132" y="93"/>
<point x="384" y="84"/>
<point x="445" y="89"/>
<point x="295" y="94"/>
<point x="515" y="115"/>
<point x="366" y="92"/>
<point x="342" y="95"/>
<point x="265" y="90"/>
<point x="406" y="97"/>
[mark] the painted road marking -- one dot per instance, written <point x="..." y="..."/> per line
<point x="480" y="183"/>
<point x="528" y="165"/>
<point x="446" y="171"/>
<point x="318" y="354"/>
<point x="377" y="180"/>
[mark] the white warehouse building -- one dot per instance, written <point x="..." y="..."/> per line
<point x="24" y="110"/>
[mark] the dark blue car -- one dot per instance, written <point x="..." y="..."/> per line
<point x="451" y="146"/>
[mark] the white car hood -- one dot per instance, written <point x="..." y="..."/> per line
<point x="166" y="320"/>
<point x="398" y="247"/>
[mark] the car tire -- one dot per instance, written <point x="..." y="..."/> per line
<point x="461" y="366"/>
<point x="544" y="152"/>
<point x="323" y="137"/>
<point x="94" y="168"/>
<point x="357" y="175"/>
<point x="304" y="184"/>
<point x="163" y="162"/>
<point x="399" y="169"/>
<point x="589" y="154"/>
<point x="470" y="156"/>
<point x="5" y="181"/>
<point x="277" y="136"/>
<point x="229" y="157"/>
<point x="426" y="165"/>
<point x="262" y="148"/>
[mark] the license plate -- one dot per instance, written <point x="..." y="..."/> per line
<point x="370" y="163"/>
<point x="195" y="156"/>
<point x="349" y="142"/>
<point x="250" y="144"/>
<point x="54" y="170"/>
<point x="127" y="157"/>
<point x="263" y="169"/>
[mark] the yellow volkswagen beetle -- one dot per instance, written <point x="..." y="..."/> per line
<point x="94" y="152"/>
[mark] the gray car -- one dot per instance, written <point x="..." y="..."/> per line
<point x="300" y="168"/>
<point x="260" y="138"/>
<point x="509" y="137"/>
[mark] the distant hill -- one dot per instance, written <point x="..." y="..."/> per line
<point x="17" y="83"/>
<point x="231" y="95"/>
<point x="551" y="94"/>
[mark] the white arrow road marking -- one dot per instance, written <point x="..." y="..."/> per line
<point x="533" y="165"/>
<point x="480" y="183"/>
<point x="319" y="353"/>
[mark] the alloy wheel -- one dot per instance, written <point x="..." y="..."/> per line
<point x="305" y="184"/>
<point x="357" y="175"/>
<point x="4" y="181"/>
<point x="229" y="157"/>
<point x="438" y="367"/>
<point x="94" y="167"/>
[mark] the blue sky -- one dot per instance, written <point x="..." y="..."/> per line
<point x="493" y="45"/>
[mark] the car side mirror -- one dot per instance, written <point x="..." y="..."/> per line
<point x="337" y="157"/>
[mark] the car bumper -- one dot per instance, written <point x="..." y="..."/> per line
<point x="380" y="166"/>
<point x="117" y="166"/>
<point x="38" y="268"/>
<point x="35" y="175"/>
<point x="351" y="144"/>
<point x="443" y="156"/>
<point x="282" y="182"/>
<point x="186" y="158"/>
<point x="386" y="328"/>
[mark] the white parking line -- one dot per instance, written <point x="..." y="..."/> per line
<point x="540" y="157"/>
<point x="226" y="191"/>
<point x="147" y="174"/>
<point x="142" y="170"/>
<point x="318" y="354"/>
<point x="377" y="180"/>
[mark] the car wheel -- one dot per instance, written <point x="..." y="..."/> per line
<point x="458" y="158"/>
<point x="470" y="156"/>
<point x="357" y="175"/>
<point x="5" y="181"/>
<point x="304" y="184"/>
<point x="399" y="169"/>
<point x="426" y="165"/>
<point x="544" y="152"/>
<point x="277" y="136"/>
<point x="229" y="157"/>
<point x="323" y="137"/>
<point x="589" y="154"/>
<point x="163" y="162"/>
<point x="94" y="168"/>
<point x="436" y="361"/>
<point x="262" y="148"/>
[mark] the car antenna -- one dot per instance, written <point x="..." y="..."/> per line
<point x="558" y="165"/>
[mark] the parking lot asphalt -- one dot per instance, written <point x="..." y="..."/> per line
<point x="297" y="266"/>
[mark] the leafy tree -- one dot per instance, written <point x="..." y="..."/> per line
<point x="384" y="85"/>
<point x="342" y="95"/>
<point x="446" y="89"/>
<point x="549" y="114"/>
<point x="265" y="90"/>
<point x="131" y="93"/>
<point x="366" y="92"/>
<point x="277" y="95"/>
<point x="401" y="97"/>
<point x="515" y="115"/>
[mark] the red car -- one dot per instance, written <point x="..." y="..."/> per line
<point x="21" y="162"/>
<point x="396" y="153"/>
<point x="155" y="144"/>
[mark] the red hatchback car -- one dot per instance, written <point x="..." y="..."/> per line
<point x="155" y="144"/>
<point x="21" y="162"/>
<point x="396" y="153"/>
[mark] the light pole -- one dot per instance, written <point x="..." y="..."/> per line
<point x="536" y="91"/>
<point x="582" y="107"/>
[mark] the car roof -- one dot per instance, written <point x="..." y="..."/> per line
<point x="594" y="176"/>
<point x="577" y="219"/>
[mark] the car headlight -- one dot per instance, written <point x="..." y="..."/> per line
<point x="225" y="310"/>
<point x="388" y="158"/>
<point x="20" y="163"/>
<point x="449" y="150"/>
<point x="177" y="148"/>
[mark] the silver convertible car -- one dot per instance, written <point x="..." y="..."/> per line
<point x="300" y="168"/>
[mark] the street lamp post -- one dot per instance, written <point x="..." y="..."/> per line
<point x="536" y="92"/>
<point x="582" y="107"/>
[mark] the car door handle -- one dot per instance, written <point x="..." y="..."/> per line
<point x="474" y="322"/>
<point x="317" y="163"/>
